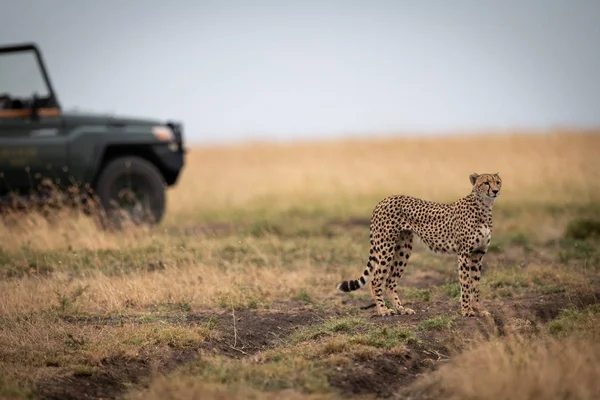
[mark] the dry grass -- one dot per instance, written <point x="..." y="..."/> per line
<point x="518" y="367"/>
<point x="249" y="231"/>
<point x="192" y="388"/>
<point x="523" y="369"/>
<point x="555" y="168"/>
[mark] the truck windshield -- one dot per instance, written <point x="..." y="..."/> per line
<point x="20" y="75"/>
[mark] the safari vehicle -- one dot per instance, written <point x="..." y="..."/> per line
<point x="46" y="153"/>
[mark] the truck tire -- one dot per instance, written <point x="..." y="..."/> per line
<point x="131" y="188"/>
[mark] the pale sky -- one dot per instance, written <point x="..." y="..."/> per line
<point x="254" y="69"/>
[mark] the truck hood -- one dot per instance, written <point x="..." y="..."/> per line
<point x="82" y="118"/>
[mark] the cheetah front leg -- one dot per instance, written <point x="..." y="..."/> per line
<point x="402" y="251"/>
<point x="476" y="265"/>
<point x="464" y="277"/>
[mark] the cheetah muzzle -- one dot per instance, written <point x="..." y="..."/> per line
<point x="463" y="228"/>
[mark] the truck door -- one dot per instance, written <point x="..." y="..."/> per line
<point x="32" y="133"/>
<point x="31" y="151"/>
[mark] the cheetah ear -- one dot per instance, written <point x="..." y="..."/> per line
<point x="473" y="177"/>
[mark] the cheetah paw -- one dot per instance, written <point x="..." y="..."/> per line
<point x="386" y="312"/>
<point x="406" y="311"/>
<point x="468" y="313"/>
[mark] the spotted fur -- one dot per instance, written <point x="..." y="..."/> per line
<point x="463" y="228"/>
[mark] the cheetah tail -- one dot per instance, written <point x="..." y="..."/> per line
<point x="354" y="284"/>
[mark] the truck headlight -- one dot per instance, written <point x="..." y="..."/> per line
<point x="163" y="133"/>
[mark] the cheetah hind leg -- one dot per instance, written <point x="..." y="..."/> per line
<point x="402" y="251"/>
<point x="380" y="269"/>
<point x="376" y="293"/>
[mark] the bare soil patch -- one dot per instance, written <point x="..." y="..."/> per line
<point x="381" y="377"/>
<point x="106" y="382"/>
<point x="245" y="332"/>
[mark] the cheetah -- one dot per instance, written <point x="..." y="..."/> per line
<point x="463" y="227"/>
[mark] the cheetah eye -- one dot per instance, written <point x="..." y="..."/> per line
<point x="498" y="183"/>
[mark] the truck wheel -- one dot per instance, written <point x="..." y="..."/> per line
<point x="131" y="188"/>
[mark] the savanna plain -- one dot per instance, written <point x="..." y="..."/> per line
<point x="233" y="295"/>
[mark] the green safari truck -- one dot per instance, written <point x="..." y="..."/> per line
<point x="122" y="165"/>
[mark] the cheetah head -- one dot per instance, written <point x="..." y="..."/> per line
<point x="486" y="185"/>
